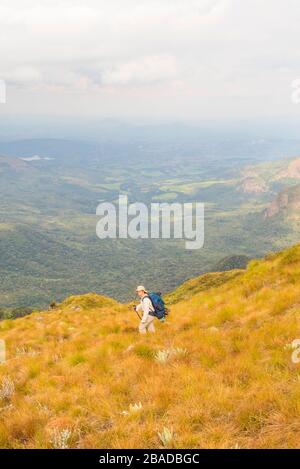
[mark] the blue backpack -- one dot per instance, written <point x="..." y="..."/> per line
<point x="158" y="305"/>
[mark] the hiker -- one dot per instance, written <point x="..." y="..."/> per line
<point x="146" y="307"/>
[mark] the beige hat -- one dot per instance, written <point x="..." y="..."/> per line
<point x="141" y="288"/>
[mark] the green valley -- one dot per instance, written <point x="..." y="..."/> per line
<point x="48" y="244"/>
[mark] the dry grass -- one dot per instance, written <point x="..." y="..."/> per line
<point x="218" y="374"/>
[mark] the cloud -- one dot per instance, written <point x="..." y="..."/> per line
<point x="22" y="76"/>
<point x="124" y="42"/>
<point x="143" y="71"/>
<point x="192" y="56"/>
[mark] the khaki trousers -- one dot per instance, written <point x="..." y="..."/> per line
<point x="147" y="326"/>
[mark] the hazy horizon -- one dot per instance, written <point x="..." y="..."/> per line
<point x="105" y="129"/>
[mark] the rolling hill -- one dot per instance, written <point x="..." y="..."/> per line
<point x="49" y="193"/>
<point x="217" y="374"/>
<point x="12" y="165"/>
<point x="50" y="189"/>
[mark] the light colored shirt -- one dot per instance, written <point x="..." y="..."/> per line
<point x="145" y="306"/>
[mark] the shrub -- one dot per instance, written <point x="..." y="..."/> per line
<point x="166" y="436"/>
<point x="7" y="389"/>
<point x="144" y="351"/>
<point x="60" y="438"/>
<point x="163" y="356"/>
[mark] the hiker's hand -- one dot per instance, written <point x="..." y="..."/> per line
<point x="134" y="308"/>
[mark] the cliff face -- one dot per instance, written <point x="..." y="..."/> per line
<point x="287" y="203"/>
<point x="292" y="171"/>
<point x="260" y="179"/>
<point x="252" y="185"/>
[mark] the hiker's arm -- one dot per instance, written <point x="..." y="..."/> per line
<point x="146" y="309"/>
<point x="139" y="307"/>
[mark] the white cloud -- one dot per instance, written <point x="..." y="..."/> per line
<point x="23" y="75"/>
<point x="144" y="71"/>
<point x="196" y="56"/>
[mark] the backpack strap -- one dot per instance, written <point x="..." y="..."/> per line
<point x="147" y="296"/>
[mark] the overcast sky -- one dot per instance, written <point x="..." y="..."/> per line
<point x="179" y="59"/>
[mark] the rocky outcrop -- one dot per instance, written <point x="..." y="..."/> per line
<point x="252" y="185"/>
<point x="292" y="171"/>
<point x="287" y="202"/>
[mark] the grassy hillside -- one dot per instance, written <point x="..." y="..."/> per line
<point x="199" y="284"/>
<point x="218" y="374"/>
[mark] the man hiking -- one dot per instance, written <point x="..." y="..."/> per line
<point x="146" y="307"/>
